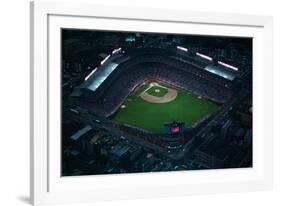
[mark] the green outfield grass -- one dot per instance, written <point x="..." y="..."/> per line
<point x="186" y="107"/>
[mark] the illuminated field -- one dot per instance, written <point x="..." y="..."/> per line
<point x="184" y="107"/>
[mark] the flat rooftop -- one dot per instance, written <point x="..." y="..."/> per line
<point x="220" y="72"/>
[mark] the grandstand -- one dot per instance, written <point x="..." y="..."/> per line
<point x="107" y="88"/>
<point x="104" y="92"/>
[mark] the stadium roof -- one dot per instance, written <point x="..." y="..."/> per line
<point x="81" y="132"/>
<point x="120" y="149"/>
<point x="220" y="72"/>
<point x="99" y="74"/>
<point x="96" y="78"/>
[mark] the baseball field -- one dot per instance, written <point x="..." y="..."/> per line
<point x="154" y="103"/>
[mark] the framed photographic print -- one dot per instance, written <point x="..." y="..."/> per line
<point x="126" y="105"/>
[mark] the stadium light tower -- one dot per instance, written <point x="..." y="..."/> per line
<point x="92" y="72"/>
<point x="182" y="48"/>
<point x="204" y="56"/>
<point x="106" y="58"/>
<point x="228" y="66"/>
<point x="116" y="50"/>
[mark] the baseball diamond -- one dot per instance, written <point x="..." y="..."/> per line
<point x="151" y="112"/>
<point x="157" y="93"/>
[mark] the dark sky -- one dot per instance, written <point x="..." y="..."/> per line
<point x="193" y="40"/>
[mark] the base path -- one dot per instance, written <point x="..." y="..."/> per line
<point x="168" y="97"/>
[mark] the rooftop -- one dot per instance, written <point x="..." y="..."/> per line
<point x="81" y="132"/>
<point x="220" y="72"/>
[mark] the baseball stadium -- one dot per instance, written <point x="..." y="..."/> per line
<point x="143" y="102"/>
<point x="158" y="95"/>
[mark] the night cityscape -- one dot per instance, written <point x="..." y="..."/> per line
<point x="146" y="102"/>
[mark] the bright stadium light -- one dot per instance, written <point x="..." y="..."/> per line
<point x="204" y="56"/>
<point x="182" y="48"/>
<point x="116" y="50"/>
<point x="106" y="58"/>
<point x="92" y="72"/>
<point x="227" y="65"/>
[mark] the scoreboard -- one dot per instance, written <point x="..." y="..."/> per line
<point x="174" y="128"/>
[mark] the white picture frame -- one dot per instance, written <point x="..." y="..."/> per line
<point x="47" y="186"/>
